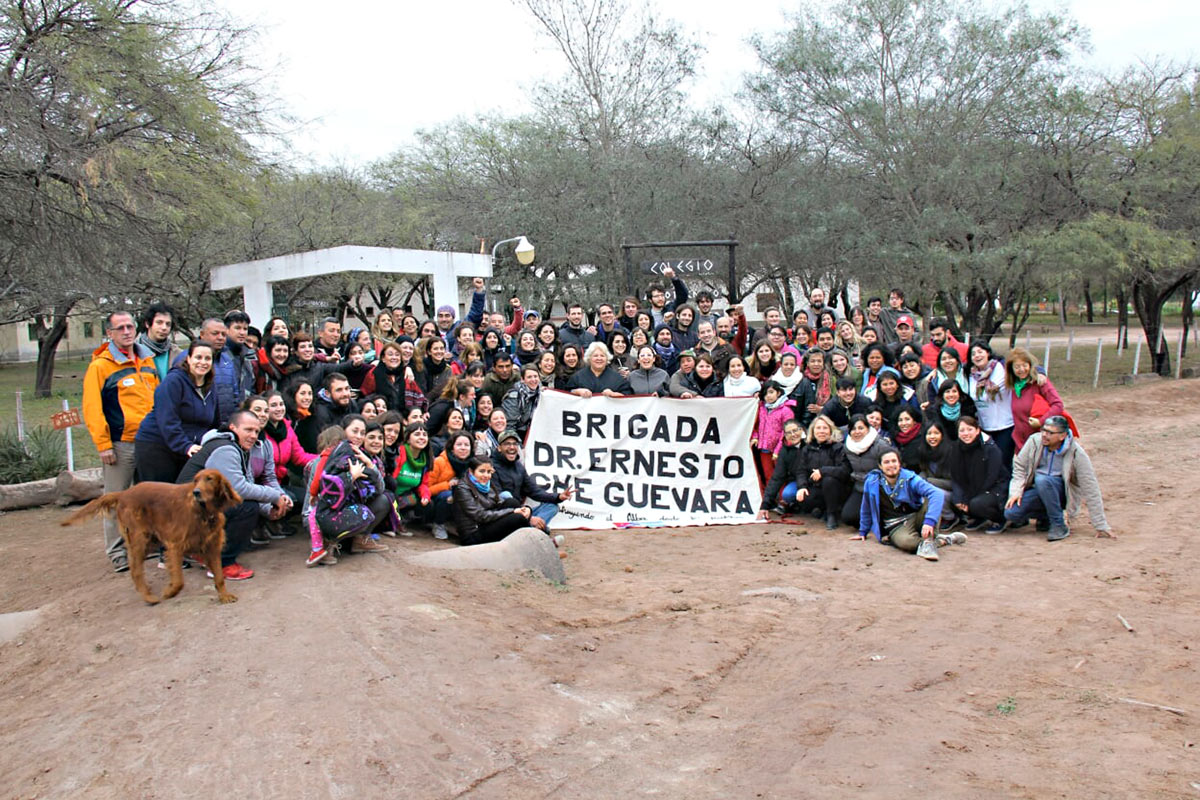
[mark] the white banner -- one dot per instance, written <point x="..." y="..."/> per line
<point x="645" y="461"/>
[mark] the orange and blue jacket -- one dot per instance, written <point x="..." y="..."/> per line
<point x="118" y="391"/>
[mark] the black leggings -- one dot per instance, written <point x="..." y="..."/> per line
<point x="852" y="509"/>
<point x="495" y="531"/>
<point x="826" y="494"/>
<point x="989" y="506"/>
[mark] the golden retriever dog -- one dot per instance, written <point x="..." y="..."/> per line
<point x="183" y="519"/>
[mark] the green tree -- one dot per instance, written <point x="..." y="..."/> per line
<point x="926" y="106"/>
<point x="122" y="126"/>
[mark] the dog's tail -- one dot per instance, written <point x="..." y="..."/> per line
<point x="101" y="505"/>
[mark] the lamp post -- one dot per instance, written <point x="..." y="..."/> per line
<point x="523" y="251"/>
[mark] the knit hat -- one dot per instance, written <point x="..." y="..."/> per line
<point x="446" y="308"/>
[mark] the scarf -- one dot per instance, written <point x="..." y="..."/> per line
<point x="276" y="430"/>
<point x="525" y="357"/>
<point x="1019" y="386"/>
<point x="960" y="378"/>
<point x="822" y="382"/>
<point x="741" y="387"/>
<point x="983" y="380"/>
<point x="951" y="413"/>
<point x="157" y="348"/>
<point x="486" y="488"/>
<point x="783" y="398"/>
<point x="667" y="354"/>
<point x="457" y="464"/>
<point x="904" y="438"/>
<point x="860" y="447"/>
<point x="789" y="384"/>
<point x="416" y="459"/>
<point x="766" y="369"/>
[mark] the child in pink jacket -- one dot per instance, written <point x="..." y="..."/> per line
<point x="774" y="410"/>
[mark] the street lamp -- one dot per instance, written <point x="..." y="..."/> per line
<point x="523" y="251"/>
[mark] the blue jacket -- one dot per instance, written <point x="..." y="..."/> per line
<point x="474" y="316"/>
<point x="911" y="490"/>
<point x="233" y="380"/>
<point x="181" y="414"/>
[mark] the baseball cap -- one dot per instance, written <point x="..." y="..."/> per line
<point x="508" y="434"/>
<point x="905" y="319"/>
<point x="532" y="313"/>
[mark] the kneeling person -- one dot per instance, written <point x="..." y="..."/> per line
<point x="480" y="513"/>
<point x="512" y="477"/>
<point x="228" y="452"/>
<point x="901" y="505"/>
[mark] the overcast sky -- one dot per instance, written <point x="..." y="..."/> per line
<point x="364" y="76"/>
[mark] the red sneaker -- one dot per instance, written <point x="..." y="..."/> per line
<point x="236" y="572"/>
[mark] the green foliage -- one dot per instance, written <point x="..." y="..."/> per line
<point x="1007" y="706"/>
<point x="41" y="455"/>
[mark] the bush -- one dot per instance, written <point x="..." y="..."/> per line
<point x="43" y="454"/>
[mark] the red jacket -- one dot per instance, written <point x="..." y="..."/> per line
<point x="423" y="487"/>
<point x="929" y="353"/>
<point x="1022" y="409"/>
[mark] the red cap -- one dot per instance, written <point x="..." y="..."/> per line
<point x="904" y="319"/>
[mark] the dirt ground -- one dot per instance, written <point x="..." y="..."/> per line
<point x="658" y="669"/>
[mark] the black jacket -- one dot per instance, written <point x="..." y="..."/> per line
<point x="473" y="508"/>
<point x="799" y="463"/>
<point x="839" y="413"/>
<point x="514" y="479"/>
<point x="584" y="378"/>
<point x="786" y="471"/>
<point x="976" y="469"/>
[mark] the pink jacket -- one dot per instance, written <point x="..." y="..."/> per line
<point x="289" y="451"/>
<point x="769" y="430"/>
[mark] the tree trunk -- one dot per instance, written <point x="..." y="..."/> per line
<point x="1106" y="299"/>
<point x="49" y="337"/>
<point x="1087" y="301"/>
<point x="1123" y="317"/>
<point x="1149" y="304"/>
<point x="1189" y="314"/>
<point x="1019" y="318"/>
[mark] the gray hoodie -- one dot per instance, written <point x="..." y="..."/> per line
<point x="235" y="464"/>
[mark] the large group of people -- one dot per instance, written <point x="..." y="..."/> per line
<point x="404" y="423"/>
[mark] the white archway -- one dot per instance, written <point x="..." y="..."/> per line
<point x="255" y="278"/>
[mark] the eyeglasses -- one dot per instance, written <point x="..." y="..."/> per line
<point x="123" y="328"/>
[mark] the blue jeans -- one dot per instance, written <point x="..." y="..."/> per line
<point x="788" y="495"/>
<point x="545" y="512"/>
<point x="1044" y="499"/>
<point x="442" y="507"/>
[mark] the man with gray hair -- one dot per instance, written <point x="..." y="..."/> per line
<point x="1052" y="473"/>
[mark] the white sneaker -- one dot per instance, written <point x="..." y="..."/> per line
<point x="927" y="550"/>
<point x="439" y="532"/>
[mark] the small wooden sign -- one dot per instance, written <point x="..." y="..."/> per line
<point x="66" y="419"/>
